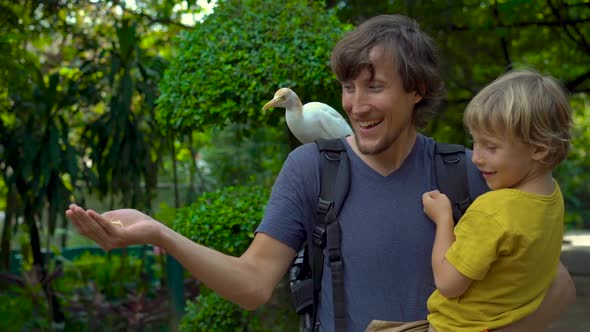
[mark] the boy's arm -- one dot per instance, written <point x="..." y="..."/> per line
<point x="449" y="282"/>
<point x="561" y="294"/>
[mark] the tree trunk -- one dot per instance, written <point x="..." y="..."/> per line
<point x="7" y="230"/>
<point x="175" y="174"/>
<point x="39" y="264"/>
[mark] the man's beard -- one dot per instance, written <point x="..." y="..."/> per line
<point x="382" y="145"/>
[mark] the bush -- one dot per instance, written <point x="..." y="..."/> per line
<point x="19" y="311"/>
<point x="212" y="313"/>
<point x="573" y="175"/>
<point x="117" y="273"/>
<point x="225" y="220"/>
<point x="228" y="66"/>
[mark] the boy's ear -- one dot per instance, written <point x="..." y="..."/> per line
<point x="540" y="152"/>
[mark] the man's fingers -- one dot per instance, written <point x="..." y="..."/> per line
<point x="113" y="229"/>
<point x="103" y="221"/>
<point x="89" y="227"/>
<point x="72" y="217"/>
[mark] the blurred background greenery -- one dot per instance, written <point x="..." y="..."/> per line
<point x="155" y="105"/>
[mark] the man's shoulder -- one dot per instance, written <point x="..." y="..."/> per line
<point x="310" y="152"/>
<point x="305" y="153"/>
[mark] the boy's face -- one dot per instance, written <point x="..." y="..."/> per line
<point x="379" y="109"/>
<point x="503" y="162"/>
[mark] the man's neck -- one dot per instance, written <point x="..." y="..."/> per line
<point x="391" y="159"/>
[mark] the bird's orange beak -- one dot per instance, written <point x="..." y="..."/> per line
<point x="271" y="104"/>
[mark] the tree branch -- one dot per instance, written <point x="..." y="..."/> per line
<point x="156" y="20"/>
<point x="454" y="27"/>
<point x="565" y="25"/>
<point x="571" y="85"/>
<point x="503" y="41"/>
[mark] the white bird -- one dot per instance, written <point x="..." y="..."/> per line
<point x="311" y="121"/>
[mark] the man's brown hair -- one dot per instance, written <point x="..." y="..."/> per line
<point x="411" y="50"/>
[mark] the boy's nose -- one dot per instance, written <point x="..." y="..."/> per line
<point x="476" y="157"/>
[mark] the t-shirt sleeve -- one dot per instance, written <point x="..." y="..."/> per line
<point x="290" y="208"/>
<point x="478" y="237"/>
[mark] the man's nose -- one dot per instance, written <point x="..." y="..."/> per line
<point x="359" y="102"/>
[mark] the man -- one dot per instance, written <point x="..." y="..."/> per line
<point x="390" y="81"/>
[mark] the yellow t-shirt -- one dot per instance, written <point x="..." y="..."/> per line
<point x="509" y="243"/>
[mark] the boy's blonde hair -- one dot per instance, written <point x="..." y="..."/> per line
<point x="526" y="105"/>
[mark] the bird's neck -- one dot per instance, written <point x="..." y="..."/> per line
<point x="294" y="105"/>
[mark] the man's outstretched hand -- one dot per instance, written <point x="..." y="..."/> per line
<point x="115" y="229"/>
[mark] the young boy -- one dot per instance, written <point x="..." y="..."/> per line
<point x="496" y="265"/>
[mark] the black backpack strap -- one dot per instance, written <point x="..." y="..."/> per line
<point x="327" y="234"/>
<point x="450" y="172"/>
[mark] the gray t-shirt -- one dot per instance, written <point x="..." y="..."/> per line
<point x="386" y="237"/>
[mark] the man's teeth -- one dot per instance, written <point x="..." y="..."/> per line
<point x="368" y="124"/>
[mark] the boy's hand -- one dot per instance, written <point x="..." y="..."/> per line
<point x="437" y="207"/>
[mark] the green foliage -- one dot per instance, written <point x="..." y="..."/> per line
<point x="124" y="142"/>
<point x="23" y="309"/>
<point x="224" y="219"/>
<point x="112" y="279"/>
<point x="232" y="63"/>
<point x="166" y="214"/>
<point x="239" y="145"/>
<point x="212" y="313"/>
<point x="574" y="174"/>
<point x="3" y="191"/>
<point x="479" y="41"/>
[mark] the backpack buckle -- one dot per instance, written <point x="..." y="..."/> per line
<point x="334" y="255"/>
<point x="318" y="236"/>
<point x="323" y="206"/>
<point x="332" y="156"/>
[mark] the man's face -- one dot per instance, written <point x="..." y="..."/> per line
<point x="379" y="109"/>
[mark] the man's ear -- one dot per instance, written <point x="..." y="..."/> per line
<point x="417" y="97"/>
<point x="419" y="93"/>
<point x="539" y="152"/>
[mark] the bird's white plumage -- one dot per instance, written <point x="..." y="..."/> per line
<point x="311" y="121"/>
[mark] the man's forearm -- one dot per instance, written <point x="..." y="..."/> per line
<point x="236" y="279"/>
<point x="561" y="294"/>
